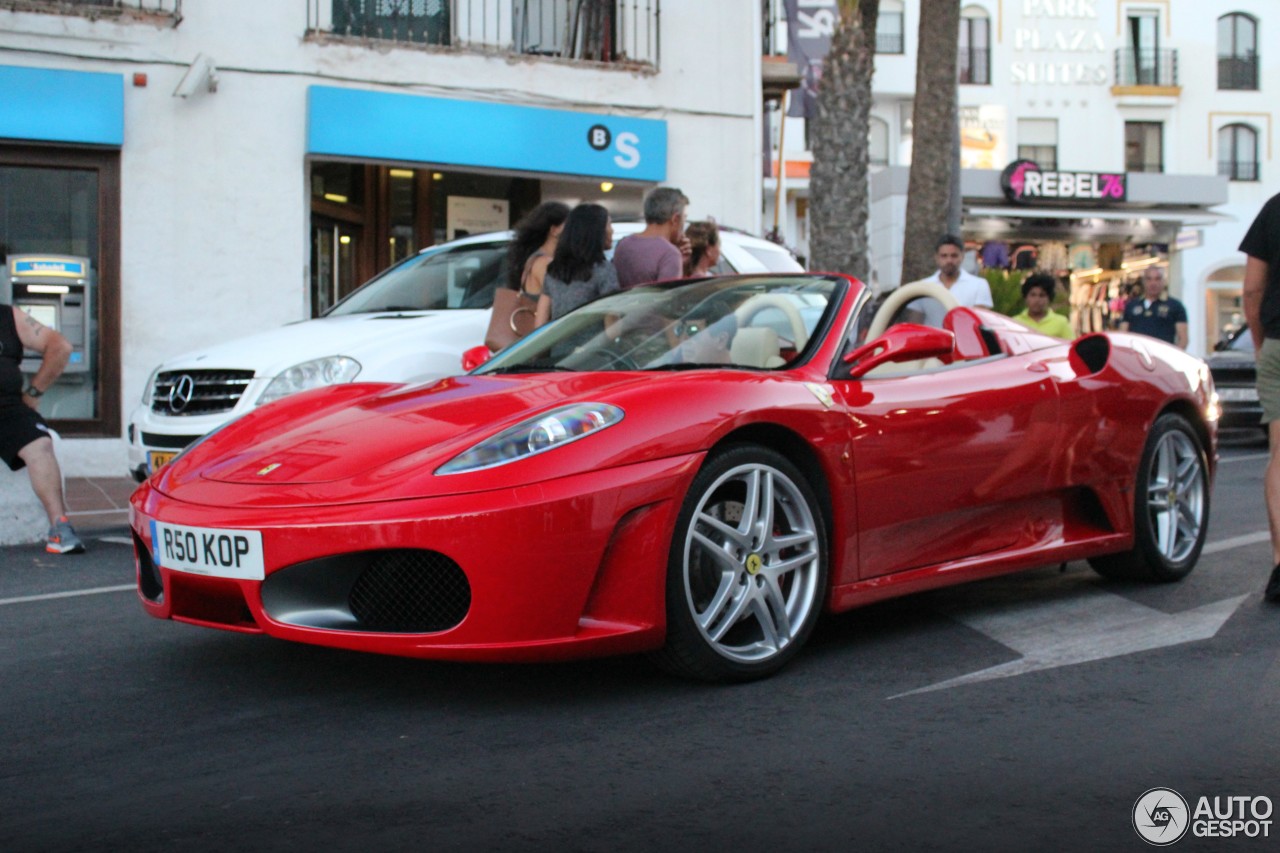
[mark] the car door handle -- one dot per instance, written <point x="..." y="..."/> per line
<point x="1038" y="367"/>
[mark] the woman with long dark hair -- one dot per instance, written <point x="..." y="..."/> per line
<point x="579" y="271"/>
<point x="533" y="246"/>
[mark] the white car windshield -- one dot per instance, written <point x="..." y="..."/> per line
<point x="446" y="278"/>
<point x="760" y="322"/>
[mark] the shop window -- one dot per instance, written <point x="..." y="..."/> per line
<point x="890" y="28"/>
<point x="1237" y="51"/>
<point x="975" y="47"/>
<point x="1143" y="146"/>
<point x="338" y="183"/>
<point x="1238" y="152"/>
<point x="878" y="142"/>
<point x="67" y="203"/>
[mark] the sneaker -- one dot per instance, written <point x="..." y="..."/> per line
<point x="1272" y="592"/>
<point x="63" y="539"/>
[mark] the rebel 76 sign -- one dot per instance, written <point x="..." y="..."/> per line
<point x="1024" y="182"/>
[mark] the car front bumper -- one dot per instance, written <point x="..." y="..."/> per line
<point x="573" y="567"/>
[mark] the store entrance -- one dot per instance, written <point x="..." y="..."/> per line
<point x="367" y="216"/>
<point x="334" y="271"/>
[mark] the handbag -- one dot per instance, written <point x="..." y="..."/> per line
<point x="511" y="320"/>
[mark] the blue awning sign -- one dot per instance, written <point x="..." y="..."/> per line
<point x="414" y="128"/>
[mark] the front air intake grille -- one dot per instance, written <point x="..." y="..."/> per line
<point x="167" y="442"/>
<point x="198" y="392"/>
<point x="410" y="592"/>
<point x="149" y="581"/>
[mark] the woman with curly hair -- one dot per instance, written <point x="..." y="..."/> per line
<point x="533" y="246"/>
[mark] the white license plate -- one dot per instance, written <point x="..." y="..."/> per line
<point x="1238" y="395"/>
<point x="208" y="551"/>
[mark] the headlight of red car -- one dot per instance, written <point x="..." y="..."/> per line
<point x="538" y="434"/>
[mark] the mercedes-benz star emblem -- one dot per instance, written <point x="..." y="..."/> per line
<point x="180" y="393"/>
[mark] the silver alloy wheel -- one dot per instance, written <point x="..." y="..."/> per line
<point x="751" y="563"/>
<point x="1176" y="487"/>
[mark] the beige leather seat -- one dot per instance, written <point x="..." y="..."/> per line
<point x="755" y="346"/>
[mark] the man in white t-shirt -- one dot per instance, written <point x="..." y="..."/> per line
<point x="969" y="290"/>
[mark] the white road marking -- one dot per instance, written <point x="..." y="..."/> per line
<point x="1084" y="624"/>
<point x="1252" y="457"/>
<point x="1236" y="542"/>
<point x="116" y="540"/>
<point x="49" y="596"/>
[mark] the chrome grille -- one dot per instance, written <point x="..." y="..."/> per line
<point x="199" y="392"/>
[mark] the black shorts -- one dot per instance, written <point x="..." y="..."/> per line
<point x="19" y="426"/>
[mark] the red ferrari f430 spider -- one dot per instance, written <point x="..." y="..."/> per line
<point x="697" y="470"/>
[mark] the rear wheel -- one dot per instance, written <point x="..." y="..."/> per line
<point x="1171" y="507"/>
<point x="747" y="570"/>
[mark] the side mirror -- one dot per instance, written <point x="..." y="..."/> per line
<point x="903" y="342"/>
<point x="474" y="357"/>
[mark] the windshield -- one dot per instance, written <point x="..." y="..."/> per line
<point x="456" y="277"/>
<point x="761" y="322"/>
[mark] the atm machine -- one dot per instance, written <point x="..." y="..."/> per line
<point x="58" y="290"/>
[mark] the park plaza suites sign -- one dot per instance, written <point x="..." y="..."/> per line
<point x="1059" y="43"/>
<point x="1023" y="182"/>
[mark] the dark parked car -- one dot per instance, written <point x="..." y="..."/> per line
<point x="1235" y="375"/>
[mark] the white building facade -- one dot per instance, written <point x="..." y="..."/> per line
<point x="1177" y="96"/>
<point x="226" y="166"/>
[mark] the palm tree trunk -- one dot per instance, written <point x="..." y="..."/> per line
<point x="838" y="192"/>
<point x="934" y="122"/>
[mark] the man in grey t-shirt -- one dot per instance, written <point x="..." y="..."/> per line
<point x="657" y="253"/>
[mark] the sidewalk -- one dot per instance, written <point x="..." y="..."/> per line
<point x="98" y="503"/>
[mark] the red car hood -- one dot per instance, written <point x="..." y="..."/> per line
<point x="319" y="439"/>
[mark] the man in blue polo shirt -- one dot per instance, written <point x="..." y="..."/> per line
<point x="1155" y="313"/>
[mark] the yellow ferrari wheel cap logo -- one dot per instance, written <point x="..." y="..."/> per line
<point x="267" y="470"/>
<point x="754" y="563"/>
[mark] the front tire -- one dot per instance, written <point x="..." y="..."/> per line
<point x="1171" y="507"/>
<point x="747" y="569"/>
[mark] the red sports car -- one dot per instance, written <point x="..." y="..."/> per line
<point x="697" y="470"/>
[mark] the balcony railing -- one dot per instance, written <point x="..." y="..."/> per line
<point x="890" y="43"/>
<point x="1238" y="72"/>
<point x="611" y="31"/>
<point x="99" y="8"/>
<point x="975" y="66"/>
<point x="1238" y="170"/>
<point x="1146" y="67"/>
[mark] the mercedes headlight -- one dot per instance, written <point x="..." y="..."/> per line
<point x="149" y="390"/>
<point x="539" y="434"/>
<point x="333" y="370"/>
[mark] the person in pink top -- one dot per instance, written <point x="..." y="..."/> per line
<point x="658" y="252"/>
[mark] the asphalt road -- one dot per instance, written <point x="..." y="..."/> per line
<point x="1027" y="713"/>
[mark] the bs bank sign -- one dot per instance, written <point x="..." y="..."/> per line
<point x="1024" y="182"/>
<point x="415" y="128"/>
